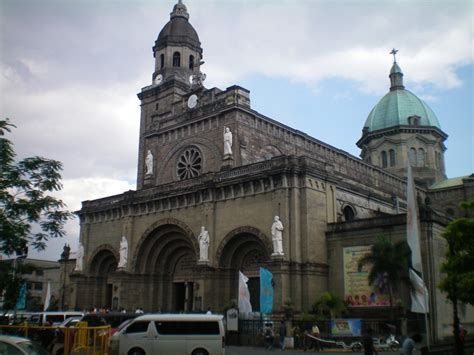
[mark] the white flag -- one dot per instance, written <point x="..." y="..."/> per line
<point x="419" y="294"/>
<point x="413" y="230"/>
<point x="244" y="294"/>
<point x="47" y="299"/>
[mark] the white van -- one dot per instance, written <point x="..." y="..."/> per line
<point x="171" y="334"/>
<point x="54" y="318"/>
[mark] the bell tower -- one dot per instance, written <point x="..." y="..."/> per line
<point x="176" y="76"/>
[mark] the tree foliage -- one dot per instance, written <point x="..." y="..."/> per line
<point x="458" y="280"/>
<point x="329" y="305"/>
<point x="389" y="260"/>
<point x="29" y="215"/>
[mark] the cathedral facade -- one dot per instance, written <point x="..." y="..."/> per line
<point x="214" y="175"/>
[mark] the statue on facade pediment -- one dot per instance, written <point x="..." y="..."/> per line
<point x="149" y="163"/>
<point x="203" y="239"/>
<point x="277" y="236"/>
<point x="123" y="251"/>
<point x="79" y="257"/>
<point x="227" y="142"/>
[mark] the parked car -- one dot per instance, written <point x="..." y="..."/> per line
<point x="13" y="345"/>
<point x="53" y="318"/>
<point x="167" y="334"/>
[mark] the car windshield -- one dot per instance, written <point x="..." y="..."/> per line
<point x="32" y="348"/>
<point x="124" y="324"/>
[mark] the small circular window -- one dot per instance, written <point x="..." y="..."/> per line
<point x="189" y="164"/>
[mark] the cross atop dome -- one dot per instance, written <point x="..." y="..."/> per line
<point x="394" y="53"/>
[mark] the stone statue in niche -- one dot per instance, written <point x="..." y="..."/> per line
<point x="227" y="142"/>
<point x="149" y="163"/>
<point x="79" y="257"/>
<point x="203" y="239"/>
<point x="66" y="252"/>
<point x="123" y="253"/>
<point x="277" y="236"/>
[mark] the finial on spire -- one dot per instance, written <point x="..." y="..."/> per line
<point x="394" y="53"/>
<point x="179" y="10"/>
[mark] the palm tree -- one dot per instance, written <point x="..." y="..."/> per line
<point x="389" y="264"/>
<point x="329" y="305"/>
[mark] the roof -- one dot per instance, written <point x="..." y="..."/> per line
<point x="396" y="107"/>
<point x="452" y="182"/>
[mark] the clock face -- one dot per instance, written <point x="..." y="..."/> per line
<point x="192" y="101"/>
<point x="158" y="79"/>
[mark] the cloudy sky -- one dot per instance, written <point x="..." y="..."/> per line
<point x="71" y="69"/>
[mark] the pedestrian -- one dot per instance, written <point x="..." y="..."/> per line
<point x="368" y="343"/>
<point x="318" y="346"/>
<point x="409" y="344"/>
<point x="296" y="336"/>
<point x="282" y="335"/>
<point x="269" y="335"/>
<point x="209" y="310"/>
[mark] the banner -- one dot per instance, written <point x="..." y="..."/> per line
<point x="413" y="230"/>
<point x="266" y="291"/>
<point x="47" y="299"/>
<point x="346" y="327"/>
<point x="244" y="294"/>
<point x="419" y="294"/>
<point x="21" y="301"/>
<point x="357" y="291"/>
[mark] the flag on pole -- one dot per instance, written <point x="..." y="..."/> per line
<point x="419" y="294"/>
<point x="244" y="294"/>
<point x="413" y="229"/>
<point x="47" y="299"/>
<point x="266" y="291"/>
<point x="21" y="301"/>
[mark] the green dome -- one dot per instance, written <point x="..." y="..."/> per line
<point x="395" y="108"/>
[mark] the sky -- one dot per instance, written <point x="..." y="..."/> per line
<point x="70" y="71"/>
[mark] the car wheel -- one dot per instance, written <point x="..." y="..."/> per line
<point x="200" y="352"/>
<point x="394" y="347"/>
<point x="356" y="347"/>
<point x="136" y="351"/>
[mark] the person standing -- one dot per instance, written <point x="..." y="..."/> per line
<point x="368" y="343"/>
<point x="282" y="334"/>
<point x="318" y="346"/>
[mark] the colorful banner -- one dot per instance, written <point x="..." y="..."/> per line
<point x="357" y="291"/>
<point x="266" y="291"/>
<point x="346" y="327"/>
<point x="244" y="294"/>
<point x="21" y="301"/>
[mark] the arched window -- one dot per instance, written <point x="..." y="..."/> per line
<point x="384" y="158"/>
<point x="437" y="159"/>
<point x="191" y="62"/>
<point x="176" y="59"/>
<point x="412" y="156"/>
<point x="162" y="60"/>
<point x="391" y="154"/>
<point x="421" y="157"/>
<point x="348" y="213"/>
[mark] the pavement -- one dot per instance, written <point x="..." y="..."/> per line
<point x="247" y="350"/>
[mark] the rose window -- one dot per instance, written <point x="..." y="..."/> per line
<point x="189" y="164"/>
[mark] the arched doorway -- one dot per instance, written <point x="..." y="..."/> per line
<point x="166" y="258"/>
<point x="245" y="249"/>
<point x="103" y="264"/>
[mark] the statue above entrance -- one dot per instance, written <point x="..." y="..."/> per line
<point x="123" y="253"/>
<point x="203" y="239"/>
<point x="277" y="236"/>
<point x="79" y="257"/>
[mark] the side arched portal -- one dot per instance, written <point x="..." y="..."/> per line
<point x="103" y="264"/>
<point x="245" y="249"/>
<point x="165" y="260"/>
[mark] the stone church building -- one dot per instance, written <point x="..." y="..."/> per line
<point x="210" y="165"/>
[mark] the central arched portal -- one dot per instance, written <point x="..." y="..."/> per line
<point x="166" y="259"/>
<point x="246" y="250"/>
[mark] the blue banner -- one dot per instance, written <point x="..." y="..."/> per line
<point x="21" y="301"/>
<point x="266" y="291"/>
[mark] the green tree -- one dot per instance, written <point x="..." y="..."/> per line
<point x="389" y="260"/>
<point x="458" y="268"/>
<point x="330" y="305"/>
<point x="29" y="215"/>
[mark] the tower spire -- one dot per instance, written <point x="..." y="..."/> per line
<point x="396" y="75"/>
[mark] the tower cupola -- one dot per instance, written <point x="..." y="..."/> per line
<point x="177" y="50"/>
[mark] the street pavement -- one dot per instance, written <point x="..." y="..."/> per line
<point x="246" y="350"/>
